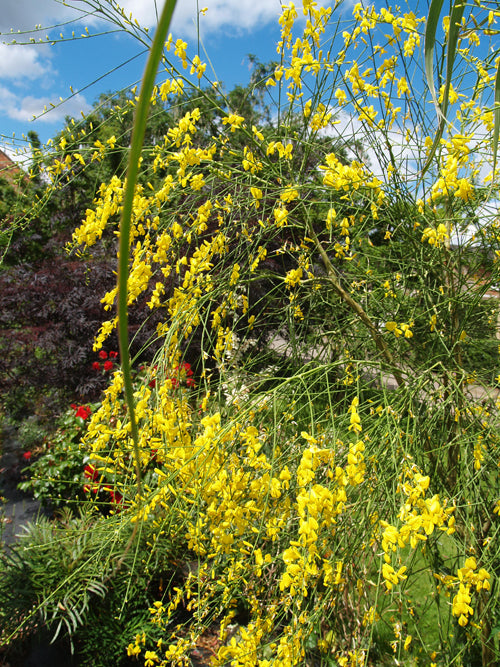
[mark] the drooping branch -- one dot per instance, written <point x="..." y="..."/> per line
<point x="358" y="310"/>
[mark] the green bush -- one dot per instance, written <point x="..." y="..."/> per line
<point x="56" y="471"/>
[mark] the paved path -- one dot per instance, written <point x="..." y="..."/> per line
<point x="20" y="508"/>
<point x="476" y="392"/>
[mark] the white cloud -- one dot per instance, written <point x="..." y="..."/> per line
<point x="221" y="14"/>
<point x="238" y="15"/>
<point x="24" y="108"/>
<point x="22" y="62"/>
<point x="26" y="66"/>
<point x="226" y="15"/>
<point x="26" y="14"/>
<point x="7" y="99"/>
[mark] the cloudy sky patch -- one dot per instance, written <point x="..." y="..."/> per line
<point x="24" y="15"/>
<point x="18" y="63"/>
<point x="240" y="15"/>
<point x="35" y="74"/>
<point x="25" y="107"/>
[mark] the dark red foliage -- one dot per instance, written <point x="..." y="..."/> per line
<point x="50" y="312"/>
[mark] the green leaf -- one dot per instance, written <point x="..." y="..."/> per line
<point x="140" y="121"/>
<point x="451" y="50"/>
<point x="429" y="46"/>
<point x="496" y="127"/>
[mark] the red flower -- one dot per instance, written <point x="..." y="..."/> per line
<point x="108" y="365"/>
<point x="190" y="382"/>
<point x="92" y="475"/>
<point x="96" y="366"/>
<point x="113" y="355"/>
<point x="82" y="411"/>
<point x="115" y="497"/>
<point x="103" y="354"/>
<point x="90" y="472"/>
<point x="27" y="456"/>
<point x="152" y="383"/>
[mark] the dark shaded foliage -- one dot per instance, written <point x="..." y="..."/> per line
<point x="50" y="312"/>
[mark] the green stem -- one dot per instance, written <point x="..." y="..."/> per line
<point x="140" y="122"/>
<point x="358" y="309"/>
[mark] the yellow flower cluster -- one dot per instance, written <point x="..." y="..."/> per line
<point x="213" y="485"/>
<point x="436" y="237"/>
<point x="419" y="517"/>
<point x="468" y="576"/>
<point x="400" y="329"/>
<point x="449" y="181"/>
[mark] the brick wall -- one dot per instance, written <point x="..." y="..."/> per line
<point x="8" y="168"/>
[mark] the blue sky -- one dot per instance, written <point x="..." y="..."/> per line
<point x="35" y="75"/>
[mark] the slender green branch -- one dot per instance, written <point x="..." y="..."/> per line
<point x="358" y="309"/>
<point x="139" y="130"/>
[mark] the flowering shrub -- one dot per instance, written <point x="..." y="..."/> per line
<point x="315" y="501"/>
<point x="55" y="475"/>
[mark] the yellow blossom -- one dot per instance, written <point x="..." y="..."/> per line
<point x="393" y="327"/>
<point x="234" y="121"/>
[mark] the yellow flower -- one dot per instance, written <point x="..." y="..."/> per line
<point x="392" y="578"/>
<point x="234" y="121"/>
<point x="280" y="216"/>
<point x="406" y="330"/>
<point x="461" y="606"/>
<point x="151" y="658"/>
<point x="198" y="67"/>
<point x="393" y="326"/>
<point x="355" y="420"/>
<point x="464" y="190"/>
<point x="341" y="96"/>
<point x="452" y="94"/>
<point x="257" y="134"/>
<point x="403" y="86"/>
<point x="289" y="194"/>
<point x="437" y="236"/>
<point x="180" y="51"/>
<point x="257" y="196"/>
